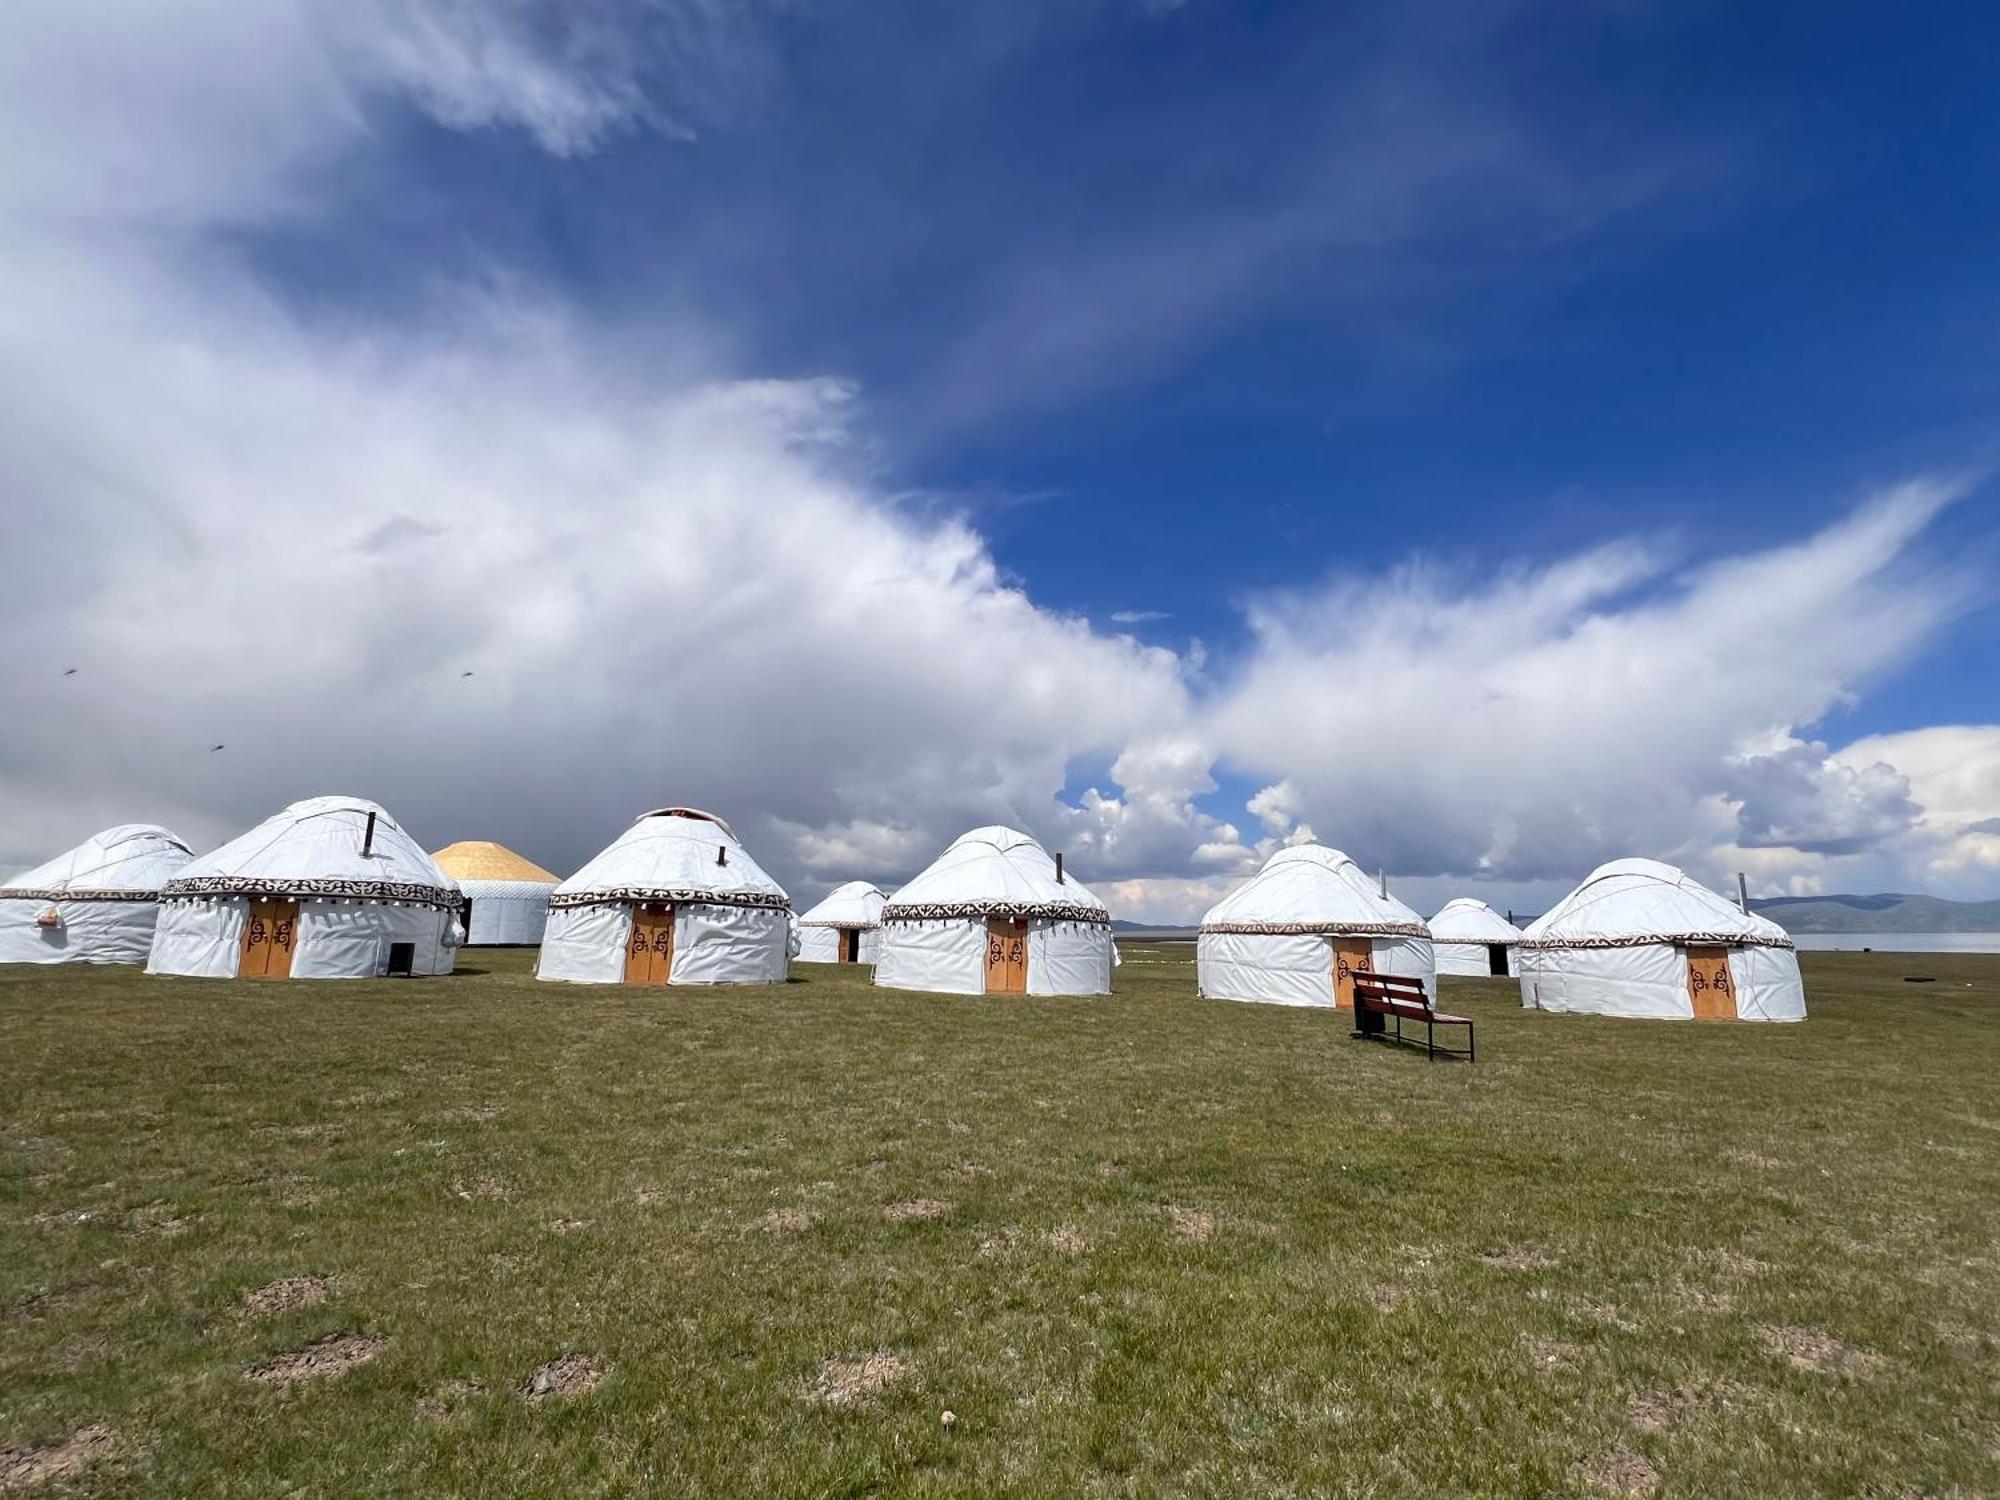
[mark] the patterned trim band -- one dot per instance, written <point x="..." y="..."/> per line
<point x="1671" y="939"/>
<point x="944" y="911"/>
<point x="840" y="926"/>
<point x="639" y="895"/>
<point x="1323" y="929"/>
<point x="52" y="893"/>
<point x="409" y="893"/>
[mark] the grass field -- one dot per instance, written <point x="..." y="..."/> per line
<point x="486" y="1236"/>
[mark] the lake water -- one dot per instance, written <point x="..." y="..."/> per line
<point x="1898" y="942"/>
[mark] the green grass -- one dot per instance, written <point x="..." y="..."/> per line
<point x="1190" y="1248"/>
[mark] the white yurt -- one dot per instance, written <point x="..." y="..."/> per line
<point x="94" y="905"/>
<point x="845" y="928"/>
<point x="1471" y="938"/>
<point x="1295" y="932"/>
<point x="676" y="899"/>
<point x="995" y="915"/>
<point x="506" y="896"/>
<point x="330" y="888"/>
<point x="1641" y="938"/>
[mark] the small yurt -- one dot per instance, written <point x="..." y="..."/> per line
<point x="674" y="900"/>
<point x="1297" y="930"/>
<point x="1470" y="938"/>
<point x="1641" y="938"/>
<point x="845" y="928"/>
<point x="506" y="896"/>
<point x="94" y="905"/>
<point x="330" y="888"/>
<point x="995" y="915"/>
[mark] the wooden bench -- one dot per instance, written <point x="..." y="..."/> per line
<point x="1379" y="998"/>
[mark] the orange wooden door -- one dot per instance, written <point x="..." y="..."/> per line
<point x="850" y="945"/>
<point x="649" y="952"/>
<point x="270" y="932"/>
<point x="1711" y="987"/>
<point x="1349" y="954"/>
<point x="1006" y="955"/>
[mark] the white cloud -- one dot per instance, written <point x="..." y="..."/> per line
<point x="684" y="586"/>
<point x="1138" y="616"/>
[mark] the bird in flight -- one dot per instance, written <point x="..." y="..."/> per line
<point x="465" y="674"/>
<point x="213" y="748"/>
<point x="69" y="671"/>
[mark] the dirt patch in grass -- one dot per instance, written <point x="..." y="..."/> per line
<point x="993" y="1246"/>
<point x="646" y="1197"/>
<point x="469" y="1114"/>
<point x="1619" y="1471"/>
<point x="443" y="1402"/>
<point x="1068" y="1240"/>
<point x="1517" y="1258"/>
<point x="916" y="1208"/>
<point x="36" y="1464"/>
<point x="1113" y="1169"/>
<point x="1388" y="1296"/>
<point x="1594" y="1310"/>
<point x="1735" y="1263"/>
<point x="793" y="1220"/>
<point x="158" y="1219"/>
<point x="322" y="1359"/>
<point x="1755" y="1159"/>
<point x="846" y="1381"/>
<point x="1663" y="1411"/>
<point x="286" y="1295"/>
<point x="570" y="1226"/>
<point x="969" y="1170"/>
<point x="1194" y="1226"/>
<point x="1815" y="1349"/>
<point x="571" y="1375"/>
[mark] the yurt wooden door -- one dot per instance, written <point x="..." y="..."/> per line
<point x="1006" y="955"/>
<point x="270" y="932"/>
<point x="1349" y="954"/>
<point x="850" y="945"/>
<point x="649" y="952"/>
<point x="1711" y="988"/>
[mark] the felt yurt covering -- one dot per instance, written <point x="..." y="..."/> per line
<point x="991" y="916"/>
<point x="1291" y="933"/>
<point x="310" y="893"/>
<point x="1470" y="937"/>
<point x="680" y="884"/>
<point x="1641" y="938"/>
<point x="507" y="896"/>
<point x="844" y="928"/>
<point x="96" y="904"/>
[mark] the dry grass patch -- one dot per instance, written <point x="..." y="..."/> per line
<point x="322" y="1359"/>
<point x="471" y="1114"/>
<point x="570" y="1375"/>
<point x="21" y="1468"/>
<point x="916" y="1208"/>
<point x="570" y="1226"/>
<point x="793" y="1220"/>
<point x="482" y="1190"/>
<point x="1548" y="1356"/>
<point x="847" y="1381"/>
<point x="285" y="1295"/>
<point x="1194" y="1226"/>
<point x="1619" y="1471"/>
<point x="1663" y="1411"/>
<point x="1068" y="1240"/>
<point x="449" y="1400"/>
<point x="1815" y="1349"/>
<point x="1517" y="1258"/>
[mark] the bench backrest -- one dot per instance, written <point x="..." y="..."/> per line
<point x="1398" y="987"/>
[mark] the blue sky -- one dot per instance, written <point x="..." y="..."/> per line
<point x="1174" y="319"/>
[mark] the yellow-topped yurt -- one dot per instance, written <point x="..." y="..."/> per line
<point x="506" y="895"/>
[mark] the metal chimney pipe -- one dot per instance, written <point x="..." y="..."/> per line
<point x="1059" y="877"/>
<point x="1742" y="893"/>
<point x="1382" y="879"/>
<point x="722" y="854"/>
<point x="368" y="838"/>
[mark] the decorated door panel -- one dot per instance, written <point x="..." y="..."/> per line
<point x="850" y="945"/>
<point x="1006" y="955"/>
<point x="1349" y="954"/>
<point x="649" y="951"/>
<point x="270" y="933"/>
<point x="1711" y="987"/>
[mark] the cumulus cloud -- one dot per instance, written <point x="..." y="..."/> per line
<point x="681" y="585"/>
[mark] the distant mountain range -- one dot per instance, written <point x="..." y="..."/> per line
<point x="1884" y="913"/>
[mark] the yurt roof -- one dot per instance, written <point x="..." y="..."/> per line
<point x="476" y="859"/>
<point x="994" y="872"/>
<point x="313" y="848"/>
<point x="1638" y="901"/>
<point x="673" y="854"/>
<point x="1311" y="888"/>
<point x="1470" y="920"/>
<point x="855" y="904"/>
<point x="119" y="863"/>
